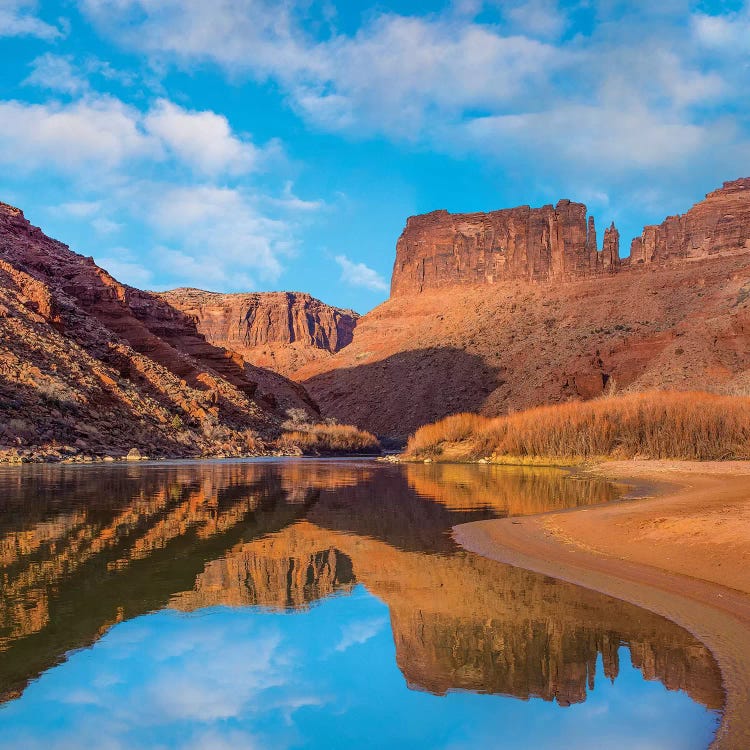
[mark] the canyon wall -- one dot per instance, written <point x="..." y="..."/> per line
<point x="531" y="244"/>
<point x="513" y="309"/>
<point x="440" y="249"/>
<point x="718" y="224"/>
<point x="280" y="330"/>
<point x="88" y="364"/>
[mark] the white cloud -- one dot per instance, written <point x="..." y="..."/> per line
<point x="17" y="18"/>
<point x="728" y="33"/>
<point x="432" y="79"/>
<point x="121" y="264"/>
<point x="103" y="225"/>
<point x="291" y="202"/>
<point x="103" y="133"/>
<point x="542" y="18"/>
<point x="201" y="139"/>
<point x="358" y="274"/>
<point x="258" y="34"/>
<point x="99" y="133"/>
<point x="223" y="237"/>
<point x="589" y="136"/>
<point x="56" y="73"/>
<point x="400" y="73"/>
<point x="79" y="209"/>
<point x="202" y="232"/>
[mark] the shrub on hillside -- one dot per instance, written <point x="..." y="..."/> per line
<point x="655" y="424"/>
<point x="329" y="438"/>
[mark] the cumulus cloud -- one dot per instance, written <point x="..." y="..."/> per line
<point x="18" y="18"/>
<point x="542" y="18"/>
<point x="589" y="136"/>
<point x="728" y="33"/>
<point x="78" y="209"/>
<point x="432" y="79"/>
<point x="258" y="34"/>
<point x="100" y="132"/>
<point x="356" y="632"/>
<point x="202" y="139"/>
<point x="223" y="237"/>
<point x="56" y="73"/>
<point x="358" y="274"/>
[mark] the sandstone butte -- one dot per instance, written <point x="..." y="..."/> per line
<point x="519" y="307"/>
<point x="91" y="366"/>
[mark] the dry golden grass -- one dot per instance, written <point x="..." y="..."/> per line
<point x="329" y="438"/>
<point x="655" y="424"/>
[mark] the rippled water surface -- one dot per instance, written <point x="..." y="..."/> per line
<point x="318" y="604"/>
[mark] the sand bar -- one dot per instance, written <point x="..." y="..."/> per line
<point x="683" y="552"/>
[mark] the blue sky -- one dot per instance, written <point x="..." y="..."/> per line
<point x="326" y="678"/>
<point x="254" y="145"/>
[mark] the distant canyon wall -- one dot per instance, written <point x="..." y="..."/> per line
<point x="441" y="249"/>
<point x="280" y="330"/>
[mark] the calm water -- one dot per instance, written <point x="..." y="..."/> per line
<point x="312" y="604"/>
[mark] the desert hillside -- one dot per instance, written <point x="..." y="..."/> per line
<point x="89" y="366"/>
<point x="503" y="311"/>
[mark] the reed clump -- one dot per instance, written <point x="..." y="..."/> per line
<point x="653" y="424"/>
<point x="317" y="439"/>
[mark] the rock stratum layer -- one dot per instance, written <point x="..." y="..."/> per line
<point x="440" y="249"/>
<point x="536" y="314"/>
<point x="278" y="330"/>
<point x="90" y="365"/>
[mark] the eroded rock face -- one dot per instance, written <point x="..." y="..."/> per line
<point x="560" y="322"/>
<point x="440" y="249"/>
<point x="280" y="330"/>
<point x="719" y="224"/>
<point x="88" y="362"/>
<point x="529" y="244"/>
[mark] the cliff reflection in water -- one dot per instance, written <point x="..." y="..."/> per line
<point x="82" y="549"/>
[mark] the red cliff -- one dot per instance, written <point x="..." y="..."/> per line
<point x="440" y="249"/>
<point x="529" y="244"/>
<point x="513" y="309"/>
<point x="92" y="364"/>
<point x="717" y="225"/>
<point x="279" y="330"/>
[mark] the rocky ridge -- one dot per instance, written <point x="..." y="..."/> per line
<point x="91" y="366"/>
<point x="558" y="243"/>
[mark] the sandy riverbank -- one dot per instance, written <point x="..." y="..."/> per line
<point x="684" y="553"/>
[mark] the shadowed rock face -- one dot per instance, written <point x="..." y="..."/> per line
<point x="80" y="551"/>
<point x="440" y="249"/>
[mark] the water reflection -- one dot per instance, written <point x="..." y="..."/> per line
<point x="84" y="548"/>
